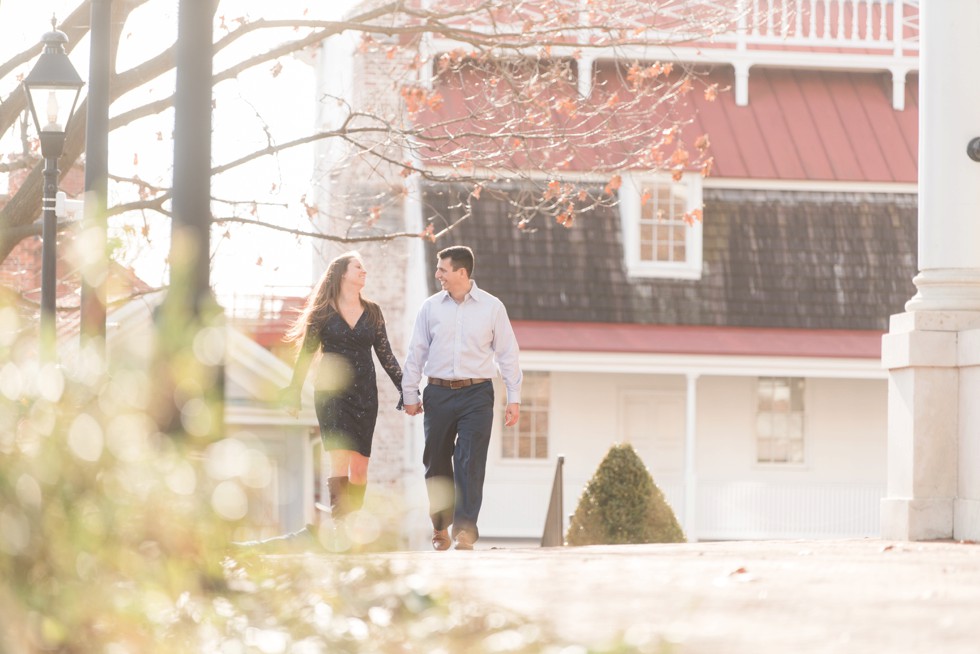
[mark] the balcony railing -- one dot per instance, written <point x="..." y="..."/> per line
<point x="853" y="35"/>
<point x="890" y="26"/>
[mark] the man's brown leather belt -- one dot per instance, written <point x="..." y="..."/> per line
<point x="455" y="383"/>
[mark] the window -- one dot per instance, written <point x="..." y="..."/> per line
<point x="658" y="240"/>
<point x="779" y="420"/>
<point x="528" y="439"/>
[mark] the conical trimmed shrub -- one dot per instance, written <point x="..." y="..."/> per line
<point x="622" y="504"/>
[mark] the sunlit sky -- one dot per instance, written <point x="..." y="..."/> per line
<point x="253" y="259"/>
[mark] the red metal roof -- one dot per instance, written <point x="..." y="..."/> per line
<point x="686" y="339"/>
<point x="811" y="125"/>
<point x="799" y="125"/>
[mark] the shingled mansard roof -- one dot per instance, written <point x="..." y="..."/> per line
<point x="771" y="259"/>
<point x="785" y="274"/>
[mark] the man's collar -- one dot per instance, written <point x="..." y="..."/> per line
<point x="472" y="293"/>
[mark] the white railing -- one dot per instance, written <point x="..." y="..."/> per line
<point x="746" y="510"/>
<point x="877" y="24"/>
<point x="871" y="35"/>
<point x="880" y="25"/>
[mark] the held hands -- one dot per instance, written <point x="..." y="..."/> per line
<point x="413" y="409"/>
<point x="289" y="398"/>
<point x="512" y="414"/>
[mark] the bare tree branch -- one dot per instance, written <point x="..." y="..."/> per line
<point x="524" y="121"/>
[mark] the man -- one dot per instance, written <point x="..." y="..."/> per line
<point x="462" y="335"/>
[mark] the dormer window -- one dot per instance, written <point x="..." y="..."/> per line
<point x="658" y="240"/>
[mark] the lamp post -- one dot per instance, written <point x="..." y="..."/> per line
<point x="52" y="89"/>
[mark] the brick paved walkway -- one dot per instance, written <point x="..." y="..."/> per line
<point x="778" y="597"/>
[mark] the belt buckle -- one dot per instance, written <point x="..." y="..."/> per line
<point x="456" y="384"/>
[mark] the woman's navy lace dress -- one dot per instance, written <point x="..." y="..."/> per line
<point x="348" y="410"/>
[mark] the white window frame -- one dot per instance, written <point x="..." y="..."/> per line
<point x="803" y="425"/>
<point x="529" y="410"/>
<point x="631" y="210"/>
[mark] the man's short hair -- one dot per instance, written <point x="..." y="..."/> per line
<point x="460" y="256"/>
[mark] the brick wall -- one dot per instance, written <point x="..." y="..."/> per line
<point x="354" y="190"/>
<point x="21" y="270"/>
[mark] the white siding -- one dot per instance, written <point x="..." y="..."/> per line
<point x="835" y="493"/>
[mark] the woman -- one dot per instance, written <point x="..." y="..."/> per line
<point x="344" y="327"/>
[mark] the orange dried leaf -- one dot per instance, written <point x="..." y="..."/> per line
<point x="614" y="183"/>
<point x="680" y="157"/>
<point x="554" y="188"/>
<point x="566" y="106"/>
<point x="434" y="101"/>
<point x="633" y="74"/>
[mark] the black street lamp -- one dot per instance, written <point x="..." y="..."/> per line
<point x="52" y="88"/>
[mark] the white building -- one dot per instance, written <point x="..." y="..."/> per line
<point x="740" y="356"/>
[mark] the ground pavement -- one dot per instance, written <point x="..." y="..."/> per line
<point x="840" y="597"/>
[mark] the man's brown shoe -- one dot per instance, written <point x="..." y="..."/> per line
<point x="440" y="540"/>
<point x="464" y="540"/>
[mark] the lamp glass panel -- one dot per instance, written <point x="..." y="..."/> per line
<point x="53" y="106"/>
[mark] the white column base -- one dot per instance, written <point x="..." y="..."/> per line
<point x="911" y="519"/>
<point x="953" y="289"/>
<point x="966" y="520"/>
<point x="921" y="354"/>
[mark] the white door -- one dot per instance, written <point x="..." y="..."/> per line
<point x="653" y="423"/>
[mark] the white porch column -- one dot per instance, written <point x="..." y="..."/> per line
<point x="949" y="181"/>
<point x="586" y="71"/>
<point x="690" y="460"/>
<point x="741" y="84"/>
<point x="933" y="430"/>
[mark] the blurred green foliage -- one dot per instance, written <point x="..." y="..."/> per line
<point x="117" y="523"/>
<point x="622" y="504"/>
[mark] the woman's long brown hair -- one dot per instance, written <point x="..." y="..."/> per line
<point x="323" y="300"/>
